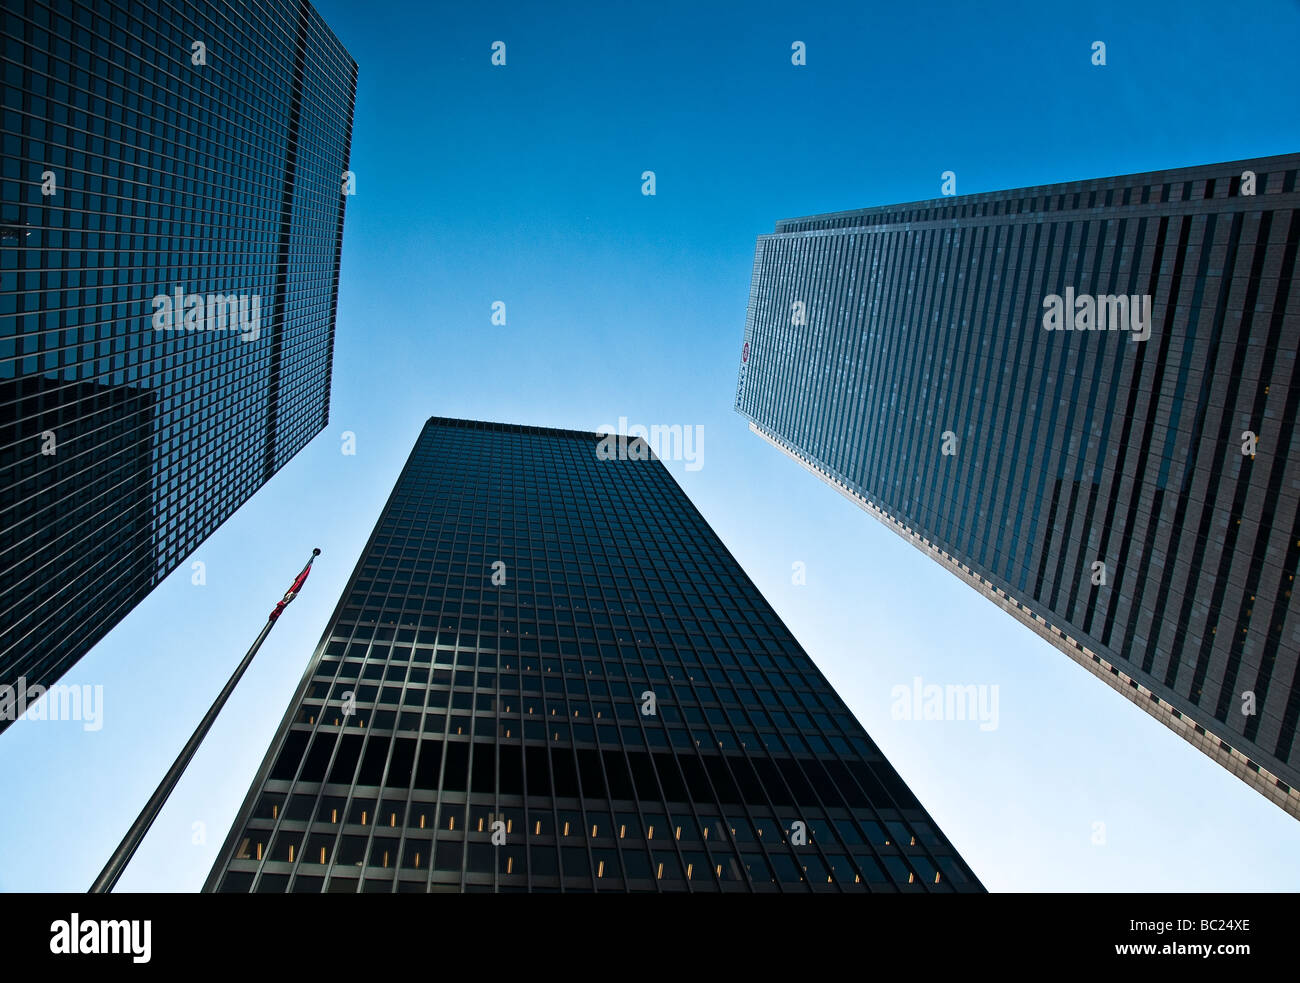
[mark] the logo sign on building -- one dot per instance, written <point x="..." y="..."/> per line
<point x="744" y="368"/>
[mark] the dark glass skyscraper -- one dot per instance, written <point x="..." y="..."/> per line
<point x="547" y="673"/>
<point x="1081" y="399"/>
<point x="157" y="158"/>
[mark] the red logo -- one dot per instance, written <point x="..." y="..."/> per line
<point x="744" y="355"/>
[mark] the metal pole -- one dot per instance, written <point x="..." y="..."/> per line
<point x="108" y="877"/>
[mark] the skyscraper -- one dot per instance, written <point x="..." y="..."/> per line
<point x="547" y="673"/>
<point x="1081" y="399"/>
<point x="170" y="234"/>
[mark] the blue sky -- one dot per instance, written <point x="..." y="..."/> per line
<point x="522" y="184"/>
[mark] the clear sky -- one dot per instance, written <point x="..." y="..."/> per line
<point x="522" y="184"/>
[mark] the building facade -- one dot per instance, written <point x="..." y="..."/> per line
<point x="170" y="234"/>
<point x="1081" y="399"/>
<point x="548" y="674"/>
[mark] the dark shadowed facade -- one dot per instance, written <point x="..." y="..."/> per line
<point x="969" y="371"/>
<point x="547" y="673"/>
<point x="136" y="165"/>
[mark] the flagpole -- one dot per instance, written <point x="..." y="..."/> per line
<point x="108" y="877"/>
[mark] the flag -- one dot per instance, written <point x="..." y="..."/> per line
<point x="292" y="592"/>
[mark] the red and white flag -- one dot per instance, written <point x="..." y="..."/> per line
<point x="292" y="592"/>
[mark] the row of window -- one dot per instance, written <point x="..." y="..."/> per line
<point x="1017" y="203"/>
